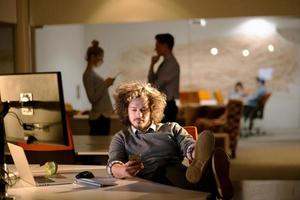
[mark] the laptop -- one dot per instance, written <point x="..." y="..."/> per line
<point x="25" y="172"/>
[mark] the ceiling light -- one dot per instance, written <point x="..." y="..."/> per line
<point x="214" y="51"/>
<point x="202" y="22"/>
<point x="258" y="27"/>
<point x="246" y="52"/>
<point x="271" y="48"/>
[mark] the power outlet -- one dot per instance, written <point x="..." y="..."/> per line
<point x="25" y="97"/>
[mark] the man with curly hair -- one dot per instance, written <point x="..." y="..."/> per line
<point x="152" y="150"/>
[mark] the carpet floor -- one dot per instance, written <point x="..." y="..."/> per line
<point x="271" y="156"/>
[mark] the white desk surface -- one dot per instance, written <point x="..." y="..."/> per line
<point x="135" y="188"/>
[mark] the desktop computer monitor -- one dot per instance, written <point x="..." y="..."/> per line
<point x="37" y="114"/>
<point x="36" y="118"/>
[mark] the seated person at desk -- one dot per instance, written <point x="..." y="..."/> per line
<point x="238" y="91"/>
<point x="252" y="101"/>
<point x="152" y="150"/>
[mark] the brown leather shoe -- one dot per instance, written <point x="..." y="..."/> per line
<point x="203" y="151"/>
<point x="221" y="167"/>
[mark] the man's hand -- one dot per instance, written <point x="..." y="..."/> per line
<point x="129" y="169"/>
<point x="154" y="60"/>
<point x="132" y="167"/>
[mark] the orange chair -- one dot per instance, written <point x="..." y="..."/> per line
<point x="192" y="130"/>
<point x="204" y="94"/>
<point x="219" y="97"/>
<point x="187" y="97"/>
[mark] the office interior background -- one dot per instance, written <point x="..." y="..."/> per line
<point x="233" y="45"/>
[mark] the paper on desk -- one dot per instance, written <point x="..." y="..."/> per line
<point x="96" y="182"/>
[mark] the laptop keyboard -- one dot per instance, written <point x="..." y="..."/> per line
<point x="42" y="179"/>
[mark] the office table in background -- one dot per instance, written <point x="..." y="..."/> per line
<point x="91" y="145"/>
<point x="80" y="124"/>
<point x="91" y="150"/>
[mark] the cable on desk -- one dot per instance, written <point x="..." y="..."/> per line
<point x="9" y="177"/>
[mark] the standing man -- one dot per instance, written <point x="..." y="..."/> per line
<point x="166" y="78"/>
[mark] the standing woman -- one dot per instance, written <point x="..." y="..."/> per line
<point x="97" y="91"/>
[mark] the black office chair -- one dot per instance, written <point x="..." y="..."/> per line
<point x="258" y="113"/>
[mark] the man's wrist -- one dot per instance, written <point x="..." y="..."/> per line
<point x="110" y="165"/>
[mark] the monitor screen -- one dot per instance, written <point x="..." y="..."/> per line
<point x="37" y="112"/>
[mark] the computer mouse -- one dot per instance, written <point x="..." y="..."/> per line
<point x="85" y="174"/>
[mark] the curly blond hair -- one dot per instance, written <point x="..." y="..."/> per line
<point x="126" y="92"/>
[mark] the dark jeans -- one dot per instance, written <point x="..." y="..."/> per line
<point x="248" y="111"/>
<point x="170" y="112"/>
<point x="100" y="126"/>
<point x="248" y="114"/>
<point x="175" y="175"/>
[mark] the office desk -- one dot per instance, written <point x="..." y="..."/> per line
<point x="80" y="124"/>
<point x="188" y="113"/>
<point x="134" y="188"/>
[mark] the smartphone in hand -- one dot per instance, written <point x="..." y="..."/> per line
<point x="135" y="157"/>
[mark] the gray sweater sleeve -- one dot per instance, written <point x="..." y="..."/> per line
<point x="183" y="138"/>
<point x="117" y="150"/>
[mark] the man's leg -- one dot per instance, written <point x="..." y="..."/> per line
<point x="194" y="177"/>
<point x="204" y="148"/>
<point x="210" y="168"/>
<point x="175" y="174"/>
<point x="220" y="167"/>
<point x="246" y="112"/>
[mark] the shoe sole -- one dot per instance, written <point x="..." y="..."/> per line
<point x="221" y="167"/>
<point x="203" y="151"/>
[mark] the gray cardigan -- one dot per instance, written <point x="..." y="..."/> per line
<point x="167" y="145"/>
<point x="97" y="94"/>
